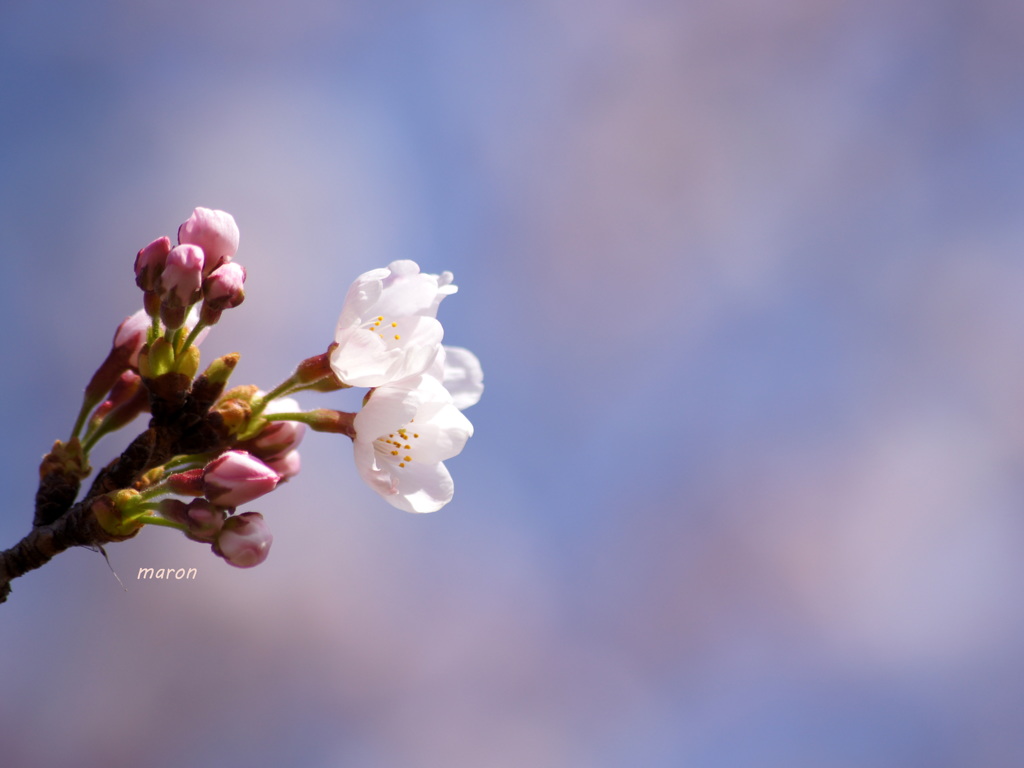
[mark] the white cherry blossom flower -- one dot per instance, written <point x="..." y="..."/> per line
<point x="388" y="329"/>
<point x="403" y="435"/>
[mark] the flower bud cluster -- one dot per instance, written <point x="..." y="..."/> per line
<point x="185" y="287"/>
<point x="200" y="267"/>
<point x="242" y="540"/>
<point x="228" y="481"/>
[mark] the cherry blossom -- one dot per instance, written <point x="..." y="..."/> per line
<point x="388" y="329"/>
<point x="404" y="433"/>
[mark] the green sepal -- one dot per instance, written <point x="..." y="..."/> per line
<point x="219" y="371"/>
<point x="188" y="363"/>
<point x="156" y="359"/>
<point x="114" y="511"/>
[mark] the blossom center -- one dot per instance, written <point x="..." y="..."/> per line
<point x="397" y="447"/>
<point x="388" y="330"/>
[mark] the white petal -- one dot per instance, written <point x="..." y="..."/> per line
<point x="362" y="359"/>
<point x="362" y="294"/>
<point x="375" y="475"/>
<point x="422" y="488"/>
<point x="463" y="376"/>
<point x="441" y="437"/>
<point x="389" y="408"/>
<point x="281" y="404"/>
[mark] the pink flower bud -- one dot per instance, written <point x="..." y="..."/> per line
<point x="224" y="288"/>
<point x="149" y="263"/>
<point x="181" y="283"/>
<point x="245" y="540"/>
<point x="276" y="439"/>
<point x="187" y="483"/>
<point x="286" y="465"/>
<point x="129" y="339"/>
<point x="182" y="278"/>
<point x="213" y="231"/>
<point x="203" y="520"/>
<point x="127" y="399"/>
<point x="131" y="336"/>
<point x="236" y="477"/>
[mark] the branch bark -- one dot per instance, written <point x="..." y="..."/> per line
<point x="182" y="423"/>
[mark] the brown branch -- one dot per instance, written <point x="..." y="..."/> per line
<point x="77" y="527"/>
<point x="182" y="423"/>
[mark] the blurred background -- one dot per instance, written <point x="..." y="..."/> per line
<point x="746" y="487"/>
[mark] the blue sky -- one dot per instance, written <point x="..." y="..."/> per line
<point x="744" y="279"/>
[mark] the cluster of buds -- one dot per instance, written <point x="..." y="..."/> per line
<point x="209" y="449"/>
<point x="199" y="267"/>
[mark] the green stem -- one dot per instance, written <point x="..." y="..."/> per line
<point x="305" y="418"/>
<point x="188" y="461"/>
<point x="83" y="414"/>
<point x="190" y="339"/>
<point x="154" y="329"/>
<point x="94" y="436"/>
<point x="287" y="386"/>
<point x="157" y="520"/>
<point x="172" y="336"/>
<point x="153" y="490"/>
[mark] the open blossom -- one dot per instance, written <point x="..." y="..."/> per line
<point x="388" y="329"/>
<point x="403" y="435"/>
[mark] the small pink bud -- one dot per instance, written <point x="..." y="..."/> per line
<point x="182" y="277"/>
<point x="149" y="263"/>
<point x="204" y="521"/>
<point x="187" y="483"/>
<point x="237" y="477"/>
<point x="286" y="465"/>
<point x="131" y="336"/>
<point x="277" y="439"/>
<point x="181" y="283"/>
<point x="245" y="540"/>
<point x="213" y="231"/>
<point x="129" y="339"/>
<point x="127" y="399"/>
<point x="224" y="288"/>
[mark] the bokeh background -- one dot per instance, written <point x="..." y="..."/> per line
<point x="747" y="484"/>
